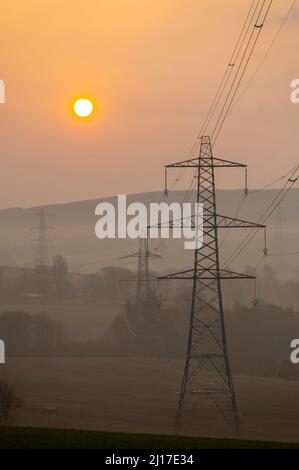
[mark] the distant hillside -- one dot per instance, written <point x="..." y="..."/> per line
<point x="73" y="234"/>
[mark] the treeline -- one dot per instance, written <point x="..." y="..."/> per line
<point x="25" y="334"/>
<point x="38" y="335"/>
<point x="56" y="283"/>
<point x="258" y="338"/>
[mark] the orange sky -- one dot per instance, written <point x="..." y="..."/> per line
<point x="152" y="68"/>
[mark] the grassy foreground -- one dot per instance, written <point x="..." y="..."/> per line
<point x="44" y="438"/>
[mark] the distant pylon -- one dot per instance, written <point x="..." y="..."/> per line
<point x="42" y="252"/>
<point x="207" y="375"/>
<point x="143" y="278"/>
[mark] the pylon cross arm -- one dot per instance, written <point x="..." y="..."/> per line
<point x="206" y="163"/>
<point x="206" y="274"/>
<point x="134" y="277"/>
<point x="222" y="221"/>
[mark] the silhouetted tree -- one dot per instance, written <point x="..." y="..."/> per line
<point x="10" y="402"/>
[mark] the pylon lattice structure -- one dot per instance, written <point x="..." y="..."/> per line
<point x="143" y="279"/>
<point x="140" y="312"/>
<point x="42" y="252"/>
<point x="207" y="374"/>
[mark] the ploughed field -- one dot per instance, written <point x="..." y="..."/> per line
<point x="138" y="395"/>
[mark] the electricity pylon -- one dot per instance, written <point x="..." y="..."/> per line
<point x="143" y="278"/>
<point x="140" y="313"/>
<point x="207" y="374"/>
<point x="42" y="252"/>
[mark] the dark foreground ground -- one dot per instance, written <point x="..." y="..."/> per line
<point x="42" y="438"/>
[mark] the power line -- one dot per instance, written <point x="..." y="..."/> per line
<point x="266" y="54"/>
<point x="223" y="82"/>
<point x="263" y="218"/>
<point x="268" y="185"/>
<point x="249" y="20"/>
<point x="250" y="193"/>
<point x="291" y="253"/>
<point x="263" y="215"/>
<point x="226" y="76"/>
<point x="229" y="100"/>
<point x="228" y="69"/>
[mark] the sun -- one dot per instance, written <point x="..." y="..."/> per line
<point x="83" y="107"/>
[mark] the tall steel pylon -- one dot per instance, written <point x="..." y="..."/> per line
<point x="42" y="252"/>
<point x="207" y="374"/>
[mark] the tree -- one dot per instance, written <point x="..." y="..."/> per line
<point x="10" y="402"/>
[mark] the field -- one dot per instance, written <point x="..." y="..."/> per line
<point x="41" y="438"/>
<point x="140" y="396"/>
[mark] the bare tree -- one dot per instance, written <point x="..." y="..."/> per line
<point x="10" y="402"/>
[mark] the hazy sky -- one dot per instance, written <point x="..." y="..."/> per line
<point x="152" y="68"/>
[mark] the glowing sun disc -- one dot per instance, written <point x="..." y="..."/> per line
<point x="83" y="107"/>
